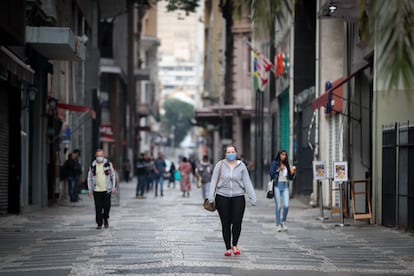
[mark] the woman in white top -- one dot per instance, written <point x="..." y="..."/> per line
<point x="280" y="172"/>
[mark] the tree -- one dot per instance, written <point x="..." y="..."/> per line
<point x="177" y="118"/>
<point x="184" y="5"/>
<point x="391" y="31"/>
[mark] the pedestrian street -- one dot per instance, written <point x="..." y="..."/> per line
<point x="174" y="235"/>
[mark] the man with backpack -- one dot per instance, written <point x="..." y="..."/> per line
<point x="101" y="184"/>
<point x="204" y="170"/>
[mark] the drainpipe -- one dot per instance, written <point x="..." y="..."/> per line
<point x="313" y="200"/>
<point x="131" y="80"/>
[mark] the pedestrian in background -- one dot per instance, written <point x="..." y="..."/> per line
<point x="186" y="170"/>
<point x="101" y="184"/>
<point x="126" y="167"/>
<point x="171" y="178"/>
<point x="204" y="170"/>
<point x="77" y="173"/>
<point x="233" y="181"/>
<point x="159" y="169"/>
<point x="142" y="171"/>
<point x="71" y="170"/>
<point x="280" y="173"/>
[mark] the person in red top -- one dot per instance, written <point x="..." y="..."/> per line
<point x="185" y="169"/>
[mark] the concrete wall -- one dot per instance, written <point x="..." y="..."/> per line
<point x="332" y="59"/>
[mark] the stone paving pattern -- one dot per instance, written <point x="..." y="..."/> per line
<point x="173" y="235"/>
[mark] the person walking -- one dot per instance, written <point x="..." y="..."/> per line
<point x="280" y="173"/>
<point x="171" y="178"/>
<point x="71" y="170"/>
<point x="101" y="184"/>
<point x="77" y="173"/>
<point x="159" y="169"/>
<point x="204" y="170"/>
<point x="229" y="183"/>
<point x="142" y="171"/>
<point x="185" y="169"/>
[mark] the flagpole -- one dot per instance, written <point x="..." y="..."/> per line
<point x="259" y="112"/>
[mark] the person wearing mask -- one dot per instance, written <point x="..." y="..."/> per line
<point x="204" y="170"/>
<point x="233" y="181"/>
<point x="280" y="173"/>
<point x="101" y="184"/>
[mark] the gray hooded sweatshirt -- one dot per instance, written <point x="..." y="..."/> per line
<point x="232" y="182"/>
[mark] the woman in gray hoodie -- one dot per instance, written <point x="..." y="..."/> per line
<point x="233" y="181"/>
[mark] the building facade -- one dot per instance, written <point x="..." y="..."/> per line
<point x="47" y="54"/>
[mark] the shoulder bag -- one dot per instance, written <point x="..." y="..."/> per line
<point x="270" y="192"/>
<point x="212" y="206"/>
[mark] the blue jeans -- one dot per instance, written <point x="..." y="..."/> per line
<point x="281" y="192"/>
<point x="141" y="184"/>
<point x="159" y="179"/>
<point x="205" y="187"/>
<point x="71" y="189"/>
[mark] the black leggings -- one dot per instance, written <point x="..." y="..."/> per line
<point x="231" y="211"/>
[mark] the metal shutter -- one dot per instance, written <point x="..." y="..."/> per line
<point x="4" y="150"/>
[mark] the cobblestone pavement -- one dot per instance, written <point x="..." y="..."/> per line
<point x="173" y="235"/>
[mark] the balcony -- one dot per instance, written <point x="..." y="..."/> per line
<point x="56" y="43"/>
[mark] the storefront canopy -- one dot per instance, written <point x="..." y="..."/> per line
<point x="336" y="90"/>
<point x="10" y="62"/>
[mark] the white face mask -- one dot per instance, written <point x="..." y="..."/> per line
<point x="99" y="159"/>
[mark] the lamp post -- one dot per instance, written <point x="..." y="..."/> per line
<point x="30" y="96"/>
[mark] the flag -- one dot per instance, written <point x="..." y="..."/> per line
<point x="261" y="68"/>
<point x="280" y="68"/>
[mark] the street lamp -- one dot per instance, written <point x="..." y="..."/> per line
<point x="52" y="103"/>
<point x="30" y="96"/>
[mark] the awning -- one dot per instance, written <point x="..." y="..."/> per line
<point x="15" y="65"/>
<point x="337" y="92"/>
<point x="56" y="43"/>
<point x="77" y="108"/>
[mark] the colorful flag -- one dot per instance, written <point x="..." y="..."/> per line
<point x="261" y="68"/>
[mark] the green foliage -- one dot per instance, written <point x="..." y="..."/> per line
<point x="177" y="114"/>
<point x="264" y="13"/>
<point x="185" y="5"/>
<point x="394" y="41"/>
<point x="173" y="5"/>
